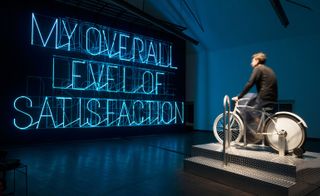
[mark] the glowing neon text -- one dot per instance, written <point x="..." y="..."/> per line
<point x="117" y="65"/>
<point x="97" y="40"/>
<point x="79" y="74"/>
<point x="75" y="112"/>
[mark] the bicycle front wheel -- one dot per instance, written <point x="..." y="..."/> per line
<point x="291" y="125"/>
<point x="236" y="127"/>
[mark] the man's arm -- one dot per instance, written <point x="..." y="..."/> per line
<point x="250" y="83"/>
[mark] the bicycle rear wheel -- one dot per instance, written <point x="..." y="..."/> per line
<point x="293" y="127"/>
<point x="236" y="127"/>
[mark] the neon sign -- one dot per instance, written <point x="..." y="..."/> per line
<point x="79" y="112"/>
<point x="97" y="40"/>
<point x="145" y="72"/>
<point x="79" y="74"/>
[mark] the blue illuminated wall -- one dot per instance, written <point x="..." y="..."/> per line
<point x="72" y="69"/>
<point x="229" y="32"/>
<point x="294" y="61"/>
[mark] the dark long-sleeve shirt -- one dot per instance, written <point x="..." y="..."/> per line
<point x="266" y="83"/>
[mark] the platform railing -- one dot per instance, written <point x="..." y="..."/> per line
<point x="226" y="130"/>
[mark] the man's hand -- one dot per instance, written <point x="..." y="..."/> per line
<point x="235" y="98"/>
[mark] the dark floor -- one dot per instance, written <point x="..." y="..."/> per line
<point x="146" y="165"/>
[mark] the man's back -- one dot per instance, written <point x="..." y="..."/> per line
<point x="266" y="83"/>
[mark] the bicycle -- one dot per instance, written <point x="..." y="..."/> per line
<point x="270" y="126"/>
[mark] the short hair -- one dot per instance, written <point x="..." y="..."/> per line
<point x="262" y="57"/>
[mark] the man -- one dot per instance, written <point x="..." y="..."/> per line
<point x="265" y="81"/>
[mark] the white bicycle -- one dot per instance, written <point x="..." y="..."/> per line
<point x="269" y="127"/>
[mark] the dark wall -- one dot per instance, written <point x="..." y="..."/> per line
<point x="22" y="61"/>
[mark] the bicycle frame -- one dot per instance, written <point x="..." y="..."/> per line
<point x="284" y="131"/>
<point x="265" y="116"/>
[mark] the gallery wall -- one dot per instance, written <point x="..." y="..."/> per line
<point x="225" y="72"/>
<point x="229" y="32"/>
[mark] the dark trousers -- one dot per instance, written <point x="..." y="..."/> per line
<point x="252" y="117"/>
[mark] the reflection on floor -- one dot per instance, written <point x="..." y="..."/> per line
<point x="146" y="165"/>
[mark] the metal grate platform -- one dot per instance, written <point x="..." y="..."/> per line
<point x="256" y="169"/>
<point x="241" y="177"/>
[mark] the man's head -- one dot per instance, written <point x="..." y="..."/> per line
<point x="258" y="58"/>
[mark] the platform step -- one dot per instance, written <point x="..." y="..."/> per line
<point x="251" y="156"/>
<point x="239" y="176"/>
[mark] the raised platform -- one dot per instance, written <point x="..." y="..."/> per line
<point x="256" y="169"/>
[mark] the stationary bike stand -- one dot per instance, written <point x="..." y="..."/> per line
<point x="281" y="137"/>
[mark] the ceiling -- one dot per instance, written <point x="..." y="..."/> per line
<point x="122" y="10"/>
<point x="219" y="24"/>
<point x="216" y="24"/>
